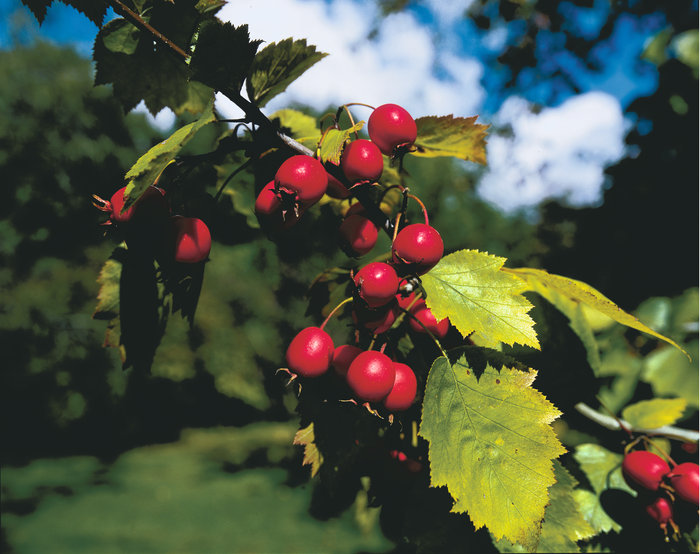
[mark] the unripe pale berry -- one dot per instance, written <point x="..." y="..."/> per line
<point x="190" y="239"/>
<point x="377" y="283"/>
<point x="362" y="161"/>
<point x="684" y="479"/>
<point x="371" y="376"/>
<point x="390" y="126"/>
<point x="310" y="352"/>
<point x="403" y="392"/>
<point x="359" y="234"/>
<point x="303" y="177"/>
<point x="417" y="248"/>
<point x="644" y="470"/>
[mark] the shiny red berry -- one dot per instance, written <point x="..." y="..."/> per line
<point x="422" y="314"/>
<point x="660" y="510"/>
<point x="358" y="234"/>
<point x="151" y="205"/>
<point x="684" y="480"/>
<point x="310" y="352"/>
<point x="377" y="283"/>
<point x="417" y="248"/>
<point x="302" y="177"/>
<point x="377" y="321"/>
<point x="269" y="209"/>
<point x="371" y="376"/>
<point x="362" y="161"/>
<point x="390" y="126"/>
<point x="336" y="189"/>
<point x="644" y="470"/>
<point x="190" y="239"/>
<point x="403" y="392"/>
<point x="343" y="356"/>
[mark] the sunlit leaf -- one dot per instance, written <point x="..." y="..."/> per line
<point x="108" y="296"/>
<point x="302" y="127"/>
<point x="671" y="374"/>
<point x="593" y="512"/>
<point x="491" y="444"/>
<point x="657" y="412"/>
<point x="305" y="437"/>
<point x="448" y="135"/>
<point x="469" y="287"/>
<point x="602" y="467"/>
<point x="334" y="142"/>
<point x="577" y="292"/>
<point x="277" y="65"/>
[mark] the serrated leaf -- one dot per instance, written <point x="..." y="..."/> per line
<point x="302" y="127"/>
<point x="593" y="512"/>
<point x="38" y="8"/>
<point x="305" y="437"/>
<point x="334" y="142"/>
<point x="447" y="135"/>
<point x="469" y="287"/>
<point x="549" y="284"/>
<point x="671" y="374"/>
<point x="491" y="444"/>
<point x="276" y="66"/>
<point x="122" y="37"/>
<point x="602" y="467"/>
<point x="657" y="412"/>
<point x="222" y="55"/>
<point x="144" y="172"/>
<point x="563" y="522"/>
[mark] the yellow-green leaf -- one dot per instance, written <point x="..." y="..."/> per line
<point x="469" y="287"/>
<point x="650" y="414"/>
<point x="593" y="512"/>
<point x="602" y="467"/>
<point x="302" y="127"/>
<point x="447" y="135"/>
<point x="312" y="456"/>
<point x="334" y="142"/>
<point x="550" y="285"/>
<point x="491" y="444"/>
<point x="144" y="172"/>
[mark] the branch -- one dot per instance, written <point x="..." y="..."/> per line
<point x="614" y="424"/>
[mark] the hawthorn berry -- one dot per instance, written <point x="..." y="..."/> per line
<point x="377" y="283"/>
<point x="377" y="321"/>
<point x="684" y="479"/>
<point x="358" y="234"/>
<point x="371" y="376"/>
<point x="422" y="314"/>
<point x="409" y="464"/>
<point x="190" y="239"/>
<point x="269" y="209"/>
<point x="343" y="356"/>
<point x="310" y="352"/>
<point x="403" y="392"/>
<point x="660" y="509"/>
<point x="391" y="127"/>
<point x="303" y="178"/>
<point x="417" y="248"/>
<point x="644" y="470"/>
<point x="336" y="189"/>
<point x="151" y="205"/>
<point x="362" y="161"/>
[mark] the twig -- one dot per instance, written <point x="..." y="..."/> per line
<point x="614" y="424"/>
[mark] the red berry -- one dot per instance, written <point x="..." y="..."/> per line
<point x="303" y="177"/>
<point x="684" y="479"/>
<point x="371" y="376"/>
<point x="423" y="314"/>
<point x="417" y="247"/>
<point x="660" y="510"/>
<point x="642" y="469"/>
<point x="151" y="205"/>
<point x="336" y="189"/>
<point x="343" y="356"/>
<point x="362" y="161"/>
<point x="403" y="393"/>
<point x="377" y="284"/>
<point x="359" y="234"/>
<point x="412" y="466"/>
<point x="377" y="321"/>
<point x="190" y="239"/>
<point x="268" y="208"/>
<point x="409" y="301"/>
<point x="390" y="126"/>
<point x="356" y="209"/>
<point x="310" y="352"/>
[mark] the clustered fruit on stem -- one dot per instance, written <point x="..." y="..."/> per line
<point x="662" y="489"/>
<point x="382" y="291"/>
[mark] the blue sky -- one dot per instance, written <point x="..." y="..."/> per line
<point x="434" y="62"/>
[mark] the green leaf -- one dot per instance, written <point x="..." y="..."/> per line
<point x="38" y="8"/>
<point x="593" y="512"/>
<point x="602" y="467"/>
<point x="222" y="55"/>
<point x="447" y="135"/>
<point x="122" y="37"/>
<point x="300" y="126"/>
<point x="108" y="295"/>
<point x="469" y="287"/>
<point x="670" y="374"/>
<point x="334" y="142"/>
<point x="491" y="444"/>
<point x="312" y="456"/>
<point x="650" y="414"/>
<point x="276" y="66"/>
<point x="578" y="292"/>
<point x="144" y="172"/>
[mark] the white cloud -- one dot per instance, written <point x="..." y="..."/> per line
<point x="163" y="120"/>
<point x="559" y="153"/>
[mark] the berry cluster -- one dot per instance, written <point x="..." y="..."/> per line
<point x="661" y="488"/>
<point x="149" y="227"/>
<point x="381" y="291"/>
